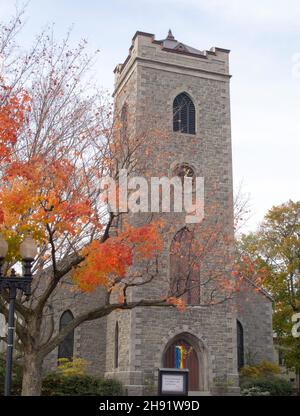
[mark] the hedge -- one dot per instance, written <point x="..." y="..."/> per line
<point x="58" y="384"/>
<point x="276" y="386"/>
<point x="55" y="384"/>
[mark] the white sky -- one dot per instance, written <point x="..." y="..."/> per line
<point x="264" y="38"/>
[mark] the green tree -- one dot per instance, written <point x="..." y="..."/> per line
<point x="275" y="247"/>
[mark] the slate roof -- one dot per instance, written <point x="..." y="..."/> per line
<point x="171" y="43"/>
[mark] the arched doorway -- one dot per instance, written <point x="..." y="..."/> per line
<point x="191" y="361"/>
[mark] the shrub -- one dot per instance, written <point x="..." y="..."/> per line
<point x="111" y="387"/>
<point x="254" y="391"/>
<point x="74" y="367"/>
<point x="57" y="384"/>
<point x="276" y="386"/>
<point x="263" y="369"/>
<point x="249" y="371"/>
<point x="16" y="379"/>
<point x="267" y="368"/>
<point x="68" y="380"/>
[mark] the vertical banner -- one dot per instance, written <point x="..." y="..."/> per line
<point x="179" y="356"/>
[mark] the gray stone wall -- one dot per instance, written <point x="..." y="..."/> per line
<point x="89" y="337"/>
<point x="254" y="311"/>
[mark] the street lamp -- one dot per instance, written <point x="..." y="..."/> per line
<point x="13" y="282"/>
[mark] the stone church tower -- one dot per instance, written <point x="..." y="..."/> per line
<point x="156" y="77"/>
<point x="184" y="93"/>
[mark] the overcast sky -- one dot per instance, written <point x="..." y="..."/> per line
<point x="264" y="39"/>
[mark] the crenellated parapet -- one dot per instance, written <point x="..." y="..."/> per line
<point x="173" y="56"/>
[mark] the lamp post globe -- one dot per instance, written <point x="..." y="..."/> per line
<point x="28" y="249"/>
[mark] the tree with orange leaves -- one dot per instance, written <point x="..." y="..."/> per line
<point x="13" y="110"/>
<point x="56" y="143"/>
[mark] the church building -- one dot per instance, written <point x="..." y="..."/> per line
<point x="185" y="92"/>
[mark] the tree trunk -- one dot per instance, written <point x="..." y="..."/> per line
<point x="32" y="375"/>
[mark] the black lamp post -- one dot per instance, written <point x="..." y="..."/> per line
<point x="28" y="252"/>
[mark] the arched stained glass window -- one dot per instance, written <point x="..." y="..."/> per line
<point x="184" y="114"/>
<point x="66" y="347"/>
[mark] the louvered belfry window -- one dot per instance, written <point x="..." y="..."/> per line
<point x="184" y="114"/>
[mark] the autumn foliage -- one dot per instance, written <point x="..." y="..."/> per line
<point x="106" y="263"/>
<point x="43" y="198"/>
<point x="37" y="196"/>
<point x="13" y="113"/>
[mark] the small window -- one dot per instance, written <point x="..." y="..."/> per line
<point x="188" y="190"/>
<point x="280" y="357"/>
<point x="66" y="347"/>
<point x="184" y="171"/>
<point x="184" y="114"/>
<point x="124" y="121"/>
<point x="240" y="345"/>
<point x="117" y="345"/>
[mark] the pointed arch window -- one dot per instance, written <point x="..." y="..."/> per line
<point x="184" y="267"/>
<point x="66" y="347"/>
<point x="184" y="114"/>
<point x="240" y="345"/>
<point x="117" y="345"/>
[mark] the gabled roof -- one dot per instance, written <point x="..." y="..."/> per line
<point x="172" y="44"/>
<point x="260" y="289"/>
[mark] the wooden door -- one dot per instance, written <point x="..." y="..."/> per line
<point x="191" y="362"/>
